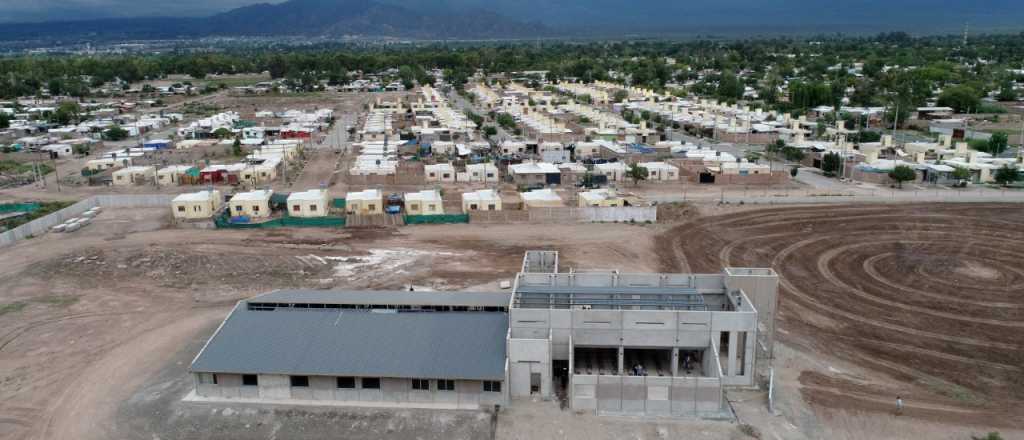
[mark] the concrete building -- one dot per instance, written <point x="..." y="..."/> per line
<point x="660" y="171"/>
<point x="197" y="205"/>
<point x="442" y="350"/>
<point x="602" y="197"/>
<point x="426" y="202"/>
<point x="637" y="344"/>
<point x="482" y="172"/>
<point x="312" y="203"/>
<point x="134" y="175"/>
<point x="535" y="173"/>
<point x="541" y="198"/>
<point x="482" y="200"/>
<point x="252" y="204"/>
<point x="171" y="175"/>
<point x="614" y="171"/>
<point x="366" y="202"/>
<point x="440" y="172"/>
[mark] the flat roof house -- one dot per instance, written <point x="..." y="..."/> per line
<point x="402" y="349"/>
<point x="660" y="171"/>
<point x="482" y="172"/>
<point x="197" y="205"/>
<point x="535" y="173"/>
<point x="172" y="174"/>
<point x="482" y="200"/>
<point x="252" y="204"/>
<point x="440" y="172"/>
<point x="134" y="175"/>
<point x="541" y="198"/>
<point x="366" y="202"/>
<point x="600" y="198"/>
<point x="426" y="202"/>
<point x="312" y="203"/>
<point x="615" y="171"/>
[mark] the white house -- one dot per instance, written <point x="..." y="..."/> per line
<point x="366" y="202"/>
<point x="482" y="200"/>
<point x="59" y="150"/>
<point x="312" y="203"/>
<point x="252" y="204"/>
<point x="615" y="171"/>
<point x="426" y="202"/>
<point x="441" y="172"/>
<point x="197" y="205"/>
<point x="541" y="198"/>
<point x="482" y="172"/>
<point x="660" y="171"/>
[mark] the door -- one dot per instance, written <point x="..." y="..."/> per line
<point x="534" y="383"/>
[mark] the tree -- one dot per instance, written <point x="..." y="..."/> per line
<point x="55" y="87"/>
<point x="67" y="112"/>
<point x="5" y="121"/>
<point x="1007" y="92"/>
<point x="902" y="173"/>
<point x="637" y="173"/>
<point x="236" y="148"/>
<point x="831" y="164"/>
<point x="222" y="133"/>
<point x="1006" y="175"/>
<point x="793" y="171"/>
<point x="489" y="130"/>
<point x="116" y="133"/>
<point x="963" y="99"/>
<point x="998" y="143"/>
<point x="961" y="173"/>
<point x="620" y="96"/>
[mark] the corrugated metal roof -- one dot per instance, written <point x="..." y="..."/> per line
<point x="384" y="297"/>
<point x="450" y="345"/>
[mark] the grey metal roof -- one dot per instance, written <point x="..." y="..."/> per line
<point x="397" y="297"/>
<point x="332" y="342"/>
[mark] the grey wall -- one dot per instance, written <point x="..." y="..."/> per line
<point x="43" y="224"/>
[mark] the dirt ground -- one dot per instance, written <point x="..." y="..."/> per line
<point x="924" y="302"/>
<point x="97" y="328"/>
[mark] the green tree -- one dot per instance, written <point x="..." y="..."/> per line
<point x="998" y="143"/>
<point x="5" y="121"/>
<point x="963" y="99"/>
<point x="989" y="436"/>
<point x="236" y="148"/>
<point x="961" y="173"/>
<point x="115" y="133"/>
<point x="1006" y="175"/>
<point x="1007" y="92"/>
<point x="902" y="173"/>
<point x="55" y="87"/>
<point x="489" y="130"/>
<point x="831" y="164"/>
<point x="222" y="133"/>
<point x="620" y="96"/>
<point x="637" y="173"/>
<point x="66" y="113"/>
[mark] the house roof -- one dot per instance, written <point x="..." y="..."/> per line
<point x="201" y="196"/>
<point x="345" y="342"/>
<point x="311" y="195"/>
<point x="385" y="297"/>
<point x="258" y="195"/>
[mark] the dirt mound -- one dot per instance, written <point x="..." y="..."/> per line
<point x="932" y="295"/>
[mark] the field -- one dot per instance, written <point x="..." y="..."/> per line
<point x="97" y="328"/>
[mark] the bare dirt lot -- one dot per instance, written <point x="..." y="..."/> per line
<point x="928" y="299"/>
<point x="97" y="328"/>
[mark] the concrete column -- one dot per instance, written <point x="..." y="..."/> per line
<point x="733" y="341"/>
<point x="674" y="358"/>
<point x="622" y="360"/>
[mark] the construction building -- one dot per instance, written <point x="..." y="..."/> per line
<point x="607" y="342"/>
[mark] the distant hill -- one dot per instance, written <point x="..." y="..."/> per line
<point x="506" y="19"/>
<point x="333" y="18"/>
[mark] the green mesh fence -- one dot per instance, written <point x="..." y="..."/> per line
<point x="224" y="221"/>
<point x="338" y="203"/>
<point x="436" y="219"/>
<point x="18" y="207"/>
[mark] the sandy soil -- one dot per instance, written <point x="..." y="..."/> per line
<point x="926" y="301"/>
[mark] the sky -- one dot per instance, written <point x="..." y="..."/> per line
<point x="50" y="10"/>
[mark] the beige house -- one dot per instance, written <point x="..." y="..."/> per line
<point x="660" y="171"/>
<point x="441" y="172"/>
<point x="366" y="202"/>
<point x="169" y="175"/>
<point x="134" y="175"/>
<point x="197" y="205"/>
<point x="312" y="203"/>
<point x="541" y="198"/>
<point x="481" y="172"/>
<point x="615" y="171"/>
<point x="252" y="204"/>
<point x="482" y="200"/>
<point x="427" y="202"/>
<point x="105" y="164"/>
<point x="601" y="198"/>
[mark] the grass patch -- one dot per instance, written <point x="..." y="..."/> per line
<point x="952" y="391"/>
<point x="45" y="208"/>
<point x="11" y="307"/>
<point x="15" y="167"/>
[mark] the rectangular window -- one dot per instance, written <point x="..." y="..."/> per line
<point x="250" y="380"/>
<point x="208" y="378"/>
<point x="181" y="209"/>
<point x="492" y="386"/>
<point x="346" y="382"/>
<point x="296" y="208"/>
<point x="421" y="384"/>
<point x="445" y="385"/>
<point x="300" y="381"/>
<point x="414" y="207"/>
<point x="371" y="383"/>
<point x="431" y="207"/>
<point x="371" y="207"/>
<point x="238" y="208"/>
<point x="472" y="207"/>
<point x="490" y="207"/>
<point x="312" y="207"/>
<point x="255" y="208"/>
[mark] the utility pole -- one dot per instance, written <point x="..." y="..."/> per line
<point x="56" y="173"/>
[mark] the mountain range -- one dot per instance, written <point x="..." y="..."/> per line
<point x="489" y="19"/>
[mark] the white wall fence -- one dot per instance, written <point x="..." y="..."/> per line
<point x="568" y="215"/>
<point x="43" y="224"/>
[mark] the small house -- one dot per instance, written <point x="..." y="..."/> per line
<point x="541" y="198"/>
<point x="660" y="171"/>
<point x="366" y="202"/>
<point x="134" y="175"/>
<point x="197" y="205"/>
<point x="441" y="172"/>
<point x="482" y="200"/>
<point x="601" y="198"/>
<point x="312" y="203"/>
<point x="482" y="172"/>
<point x="614" y="171"/>
<point x="171" y="175"/>
<point x="104" y="164"/>
<point x="57" y="150"/>
<point x="158" y="144"/>
<point x="252" y="204"/>
<point x="535" y="173"/>
<point x="427" y="202"/>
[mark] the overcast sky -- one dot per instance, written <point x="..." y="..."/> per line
<point x="44" y="10"/>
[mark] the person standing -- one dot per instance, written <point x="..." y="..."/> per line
<point x="899" y="405"/>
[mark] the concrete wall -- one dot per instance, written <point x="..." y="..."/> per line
<point x="761" y="287"/>
<point x="277" y="388"/>
<point x="569" y="215"/>
<point x="647" y="395"/>
<point x="43" y="224"/>
<point x="526" y="357"/>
